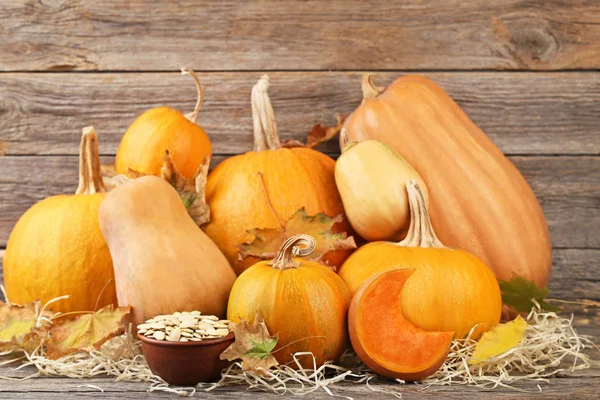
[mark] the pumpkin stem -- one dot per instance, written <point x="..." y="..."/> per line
<point x="369" y="89"/>
<point x="420" y="232"/>
<point x="291" y="247"/>
<point x="263" y="117"/>
<point x="194" y="115"/>
<point x="90" y="175"/>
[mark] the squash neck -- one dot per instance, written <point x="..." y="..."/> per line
<point x="263" y="117"/>
<point x="193" y="116"/>
<point x="369" y="90"/>
<point x="290" y="248"/>
<point x="90" y="175"/>
<point x="420" y="232"/>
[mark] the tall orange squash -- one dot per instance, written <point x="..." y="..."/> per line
<point x="265" y="187"/>
<point x="479" y="200"/>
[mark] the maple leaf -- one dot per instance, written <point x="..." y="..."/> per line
<point x="86" y="332"/>
<point x="191" y="191"/>
<point x="519" y="292"/>
<point x="253" y="345"/>
<point x="321" y="134"/>
<point x="20" y="326"/>
<point x="499" y="340"/>
<point x="267" y="242"/>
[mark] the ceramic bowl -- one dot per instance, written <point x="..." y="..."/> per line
<point x="186" y="363"/>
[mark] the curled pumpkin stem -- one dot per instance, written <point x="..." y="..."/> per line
<point x="420" y="232"/>
<point x="194" y="115"/>
<point x="369" y="89"/>
<point x="263" y="117"/>
<point x="291" y="248"/>
<point x="90" y="173"/>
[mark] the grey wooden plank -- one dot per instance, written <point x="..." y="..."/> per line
<point x="523" y="113"/>
<point x="261" y="35"/>
<point x="567" y="187"/>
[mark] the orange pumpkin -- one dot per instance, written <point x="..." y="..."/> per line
<point x="450" y="291"/>
<point x="303" y="302"/>
<point x="479" y="201"/>
<point x="162" y="129"/>
<point x="56" y="248"/>
<point x="265" y="187"/>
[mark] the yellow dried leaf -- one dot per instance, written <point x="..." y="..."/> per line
<point x="86" y="332"/>
<point x="499" y="340"/>
<point x="20" y="328"/>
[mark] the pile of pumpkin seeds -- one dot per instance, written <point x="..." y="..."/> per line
<point x="186" y="326"/>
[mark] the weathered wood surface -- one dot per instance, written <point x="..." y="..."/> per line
<point x="523" y="113"/>
<point x="566" y="186"/>
<point x="289" y="35"/>
<point x="577" y="385"/>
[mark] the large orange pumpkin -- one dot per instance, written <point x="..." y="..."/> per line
<point x="303" y="302"/>
<point x="265" y="187"/>
<point x="479" y="201"/>
<point x="161" y="129"/>
<point x="57" y="249"/>
<point x="450" y="290"/>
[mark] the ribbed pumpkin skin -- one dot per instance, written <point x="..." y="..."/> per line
<point x="144" y="143"/>
<point x="479" y="201"/>
<point x="296" y="303"/>
<point x="451" y="290"/>
<point x="293" y="178"/>
<point x="56" y="248"/>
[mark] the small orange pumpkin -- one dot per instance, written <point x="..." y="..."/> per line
<point x="450" y="291"/>
<point x="303" y="302"/>
<point x="162" y="129"/>
<point x="265" y="187"/>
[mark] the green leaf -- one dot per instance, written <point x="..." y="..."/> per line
<point x="262" y="350"/>
<point x="519" y="292"/>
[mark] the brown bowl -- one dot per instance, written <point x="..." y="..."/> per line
<point x="186" y="363"/>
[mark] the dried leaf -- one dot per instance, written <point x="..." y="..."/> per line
<point x="320" y="134"/>
<point x="291" y="143"/>
<point x="86" y="332"/>
<point x="20" y="328"/>
<point x="253" y="345"/>
<point x="499" y="340"/>
<point x="267" y="242"/>
<point x="192" y="191"/>
<point x="519" y="292"/>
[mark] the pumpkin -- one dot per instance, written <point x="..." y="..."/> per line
<point x="450" y="291"/>
<point x="384" y="339"/>
<point x="303" y="302"/>
<point x="265" y="187"/>
<point x="371" y="178"/>
<point x="163" y="261"/>
<point x="56" y="248"/>
<point x="479" y="201"/>
<point x="162" y="129"/>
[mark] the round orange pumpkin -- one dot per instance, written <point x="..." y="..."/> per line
<point x="479" y="201"/>
<point x="450" y="291"/>
<point x="162" y="129"/>
<point x="265" y="187"/>
<point x="303" y="302"/>
<point x="56" y="248"/>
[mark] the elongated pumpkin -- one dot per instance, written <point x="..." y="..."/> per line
<point x="303" y="302"/>
<point x="163" y="129"/>
<point x="56" y="248"/>
<point x="450" y="290"/>
<point x="163" y="261"/>
<point x="371" y="178"/>
<point x="265" y="187"/>
<point x="479" y="201"/>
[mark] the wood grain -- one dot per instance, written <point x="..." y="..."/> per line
<point x="566" y="186"/>
<point x="309" y="35"/>
<point x="524" y="113"/>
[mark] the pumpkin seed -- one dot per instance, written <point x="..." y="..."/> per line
<point x="184" y="326"/>
<point x="174" y="336"/>
<point x="159" y="335"/>
<point x="183" y="339"/>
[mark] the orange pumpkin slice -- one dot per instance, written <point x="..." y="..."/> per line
<point x="384" y="340"/>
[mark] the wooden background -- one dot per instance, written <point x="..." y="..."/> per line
<point x="527" y="72"/>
